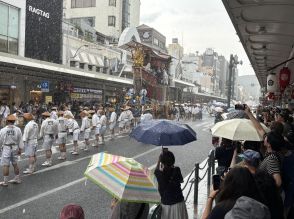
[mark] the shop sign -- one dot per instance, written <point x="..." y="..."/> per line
<point x="48" y="99"/>
<point x="86" y="91"/>
<point x="45" y="86"/>
<point x="39" y="12"/>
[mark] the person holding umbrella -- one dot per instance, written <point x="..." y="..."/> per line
<point x="169" y="178"/>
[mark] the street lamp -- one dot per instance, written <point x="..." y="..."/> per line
<point x="233" y="63"/>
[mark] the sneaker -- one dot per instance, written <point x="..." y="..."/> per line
<point x="75" y="153"/>
<point x="15" y="181"/>
<point x="95" y="145"/>
<point x="86" y="149"/>
<point x="61" y="158"/>
<point x="28" y="171"/>
<point x="47" y="164"/>
<point x="71" y="152"/>
<point x="4" y="184"/>
<point x="102" y="143"/>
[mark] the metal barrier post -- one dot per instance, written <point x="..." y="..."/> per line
<point x="209" y="174"/>
<point x="212" y="163"/>
<point x="196" y="182"/>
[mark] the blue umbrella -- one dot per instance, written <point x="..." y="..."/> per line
<point x="163" y="133"/>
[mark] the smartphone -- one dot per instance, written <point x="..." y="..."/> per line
<point x="216" y="180"/>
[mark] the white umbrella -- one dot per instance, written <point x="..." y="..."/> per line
<point x="218" y="109"/>
<point x="237" y="130"/>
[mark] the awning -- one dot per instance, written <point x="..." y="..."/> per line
<point x="83" y="58"/>
<point x="184" y="83"/>
<point x="99" y="61"/>
<point x="266" y="30"/>
<point x="72" y="58"/>
<point x="92" y="60"/>
<point x="47" y="66"/>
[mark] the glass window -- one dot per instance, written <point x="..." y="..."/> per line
<point x="112" y="3"/>
<point x="155" y="41"/>
<point x="111" y="21"/>
<point x="4" y="19"/>
<point x="83" y="3"/>
<point x="3" y="44"/>
<point x="13" y="46"/>
<point x="13" y="22"/>
<point x="82" y="65"/>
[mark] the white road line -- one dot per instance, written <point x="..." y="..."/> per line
<point x="68" y="163"/>
<point x="34" y="198"/>
<point x="54" y="150"/>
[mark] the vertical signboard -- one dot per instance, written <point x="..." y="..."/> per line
<point x="44" y="30"/>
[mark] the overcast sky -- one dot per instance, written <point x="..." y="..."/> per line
<point x="200" y="23"/>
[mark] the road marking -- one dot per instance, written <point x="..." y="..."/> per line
<point x="68" y="163"/>
<point x="34" y="198"/>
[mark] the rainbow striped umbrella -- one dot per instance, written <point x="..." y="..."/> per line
<point x="124" y="178"/>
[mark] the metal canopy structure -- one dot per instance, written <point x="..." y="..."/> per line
<point x="266" y="30"/>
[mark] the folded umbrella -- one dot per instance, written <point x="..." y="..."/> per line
<point x="237" y="130"/>
<point x="163" y="133"/>
<point x="124" y="178"/>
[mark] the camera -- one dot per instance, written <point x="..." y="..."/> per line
<point x="240" y="106"/>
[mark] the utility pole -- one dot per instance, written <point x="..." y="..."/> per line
<point x="233" y="62"/>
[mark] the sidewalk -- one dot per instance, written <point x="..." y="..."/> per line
<point x="195" y="212"/>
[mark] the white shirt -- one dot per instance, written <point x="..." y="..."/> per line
<point x="146" y="117"/>
<point x="54" y="115"/>
<point x="86" y="124"/>
<point x="113" y="117"/>
<point x="95" y="120"/>
<point x="122" y="116"/>
<point x="68" y="112"/>
<point x="129" y="115"/>
<point x="49" y="127"/>
<point x="61" y="124"/>
<point x="11" y="135"/>
<point x="72" y="125"/>
<point x="103" y="120"/>
<point x="4" y="111"/>
<point x="30" y="133"/>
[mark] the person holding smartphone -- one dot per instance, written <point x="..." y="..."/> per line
<point x="169" y="178"/>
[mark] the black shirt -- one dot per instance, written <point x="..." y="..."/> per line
<point x="224" y="155"/>
<point x="169" y="185"/>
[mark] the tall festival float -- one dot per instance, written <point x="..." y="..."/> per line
<point x="151" y="78"/>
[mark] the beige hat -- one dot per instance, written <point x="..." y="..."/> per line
<point x="28" y="116"/>
<point x="60" y="113"/>
<point x="54" y="108"/>
<point x="47" y="114"/>
<point x="127" y="107"/>
<point x="91" y="111"/>
<point x="84" y="113"/>
<point x="11" y="117"/>
<point x="68" y="116"/>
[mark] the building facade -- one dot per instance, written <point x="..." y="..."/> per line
<point x="175" y="49"/>
<point x="250" y="85"/>
<point x="12" y="26"/>
<point x="109" y="17"/>
<point x="44" y="30"/>
<point x="152" y="37"/>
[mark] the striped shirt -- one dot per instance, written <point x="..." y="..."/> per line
<point x="271" y="163"/>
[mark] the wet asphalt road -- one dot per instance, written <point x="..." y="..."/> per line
<point x="43" y="194"/>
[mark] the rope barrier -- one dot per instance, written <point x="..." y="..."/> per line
<point x="190" y="189"/>
<point x="201" y="178"/>
<point x="188" y="179"/>
<point x="201" y="168"/>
